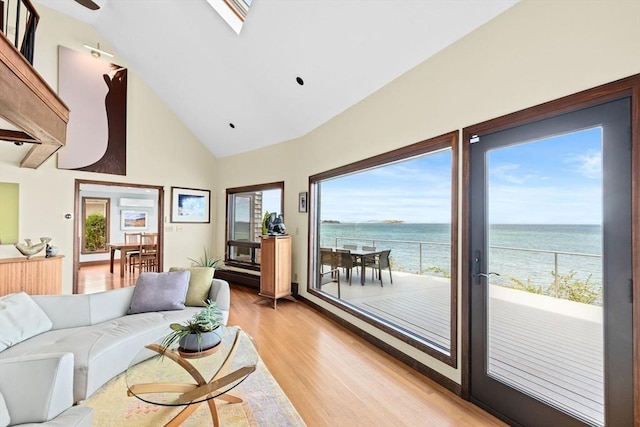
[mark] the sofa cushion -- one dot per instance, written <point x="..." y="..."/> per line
<point x="199" y="285"/>
<point x="4" y="413"/>
<point x="74" y="310"/>
<point x="159" y="291"/>
<point x="21" y="318"/>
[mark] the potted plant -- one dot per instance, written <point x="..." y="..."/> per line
<point x="265" y="229"/>
<point x="207" y="261"/>
<point x="198" y="333"/>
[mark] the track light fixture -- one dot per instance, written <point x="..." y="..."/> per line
<point x="96" y="52"/>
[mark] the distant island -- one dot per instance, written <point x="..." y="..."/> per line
<point x="386" y="221"/>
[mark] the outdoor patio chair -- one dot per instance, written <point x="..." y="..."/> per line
<point x="369" y="261"/>
<point x="346" y="262"/>
<point x="331" y="276"/>
<point x="328" y="257"/>
<point x="382" y="262"/>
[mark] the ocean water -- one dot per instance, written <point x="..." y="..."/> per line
<point x="417" y="247"/>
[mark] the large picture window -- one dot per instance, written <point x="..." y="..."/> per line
<point x="246" y="207"/>
<point x="384" y="234"/>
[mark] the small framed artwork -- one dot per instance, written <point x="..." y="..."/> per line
<point x="132" y="220"/>
<point x="190" y="205"/>
<point x="302" y="201"/>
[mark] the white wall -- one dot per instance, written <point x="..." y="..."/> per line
<point x="534" y="52"/>
<point x="160" y="151"/>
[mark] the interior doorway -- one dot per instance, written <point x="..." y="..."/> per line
<point x="125" y="198"/>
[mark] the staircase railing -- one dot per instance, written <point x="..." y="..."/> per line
<point x="25" y="25"/>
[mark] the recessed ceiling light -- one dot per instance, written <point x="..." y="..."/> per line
<point x="300" y="81"/>
<point x="232" y="126"/>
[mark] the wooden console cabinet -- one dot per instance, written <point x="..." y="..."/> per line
<point x="275" y="267"/>
<point x="35" y="276"/>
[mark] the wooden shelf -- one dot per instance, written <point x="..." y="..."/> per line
<point x="30" y="104"/>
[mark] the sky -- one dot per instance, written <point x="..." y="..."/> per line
<point x="549" y="181"/>
<point x="416" y="190"/>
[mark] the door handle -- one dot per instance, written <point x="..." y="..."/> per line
<point x="477" y="259"/>
<point x="486" y="275"/>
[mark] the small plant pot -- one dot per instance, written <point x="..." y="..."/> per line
<point x="199" y="342"/>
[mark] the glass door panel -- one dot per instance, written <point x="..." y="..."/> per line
<point x="551" y="251"/>
<point x="544" y="311"/>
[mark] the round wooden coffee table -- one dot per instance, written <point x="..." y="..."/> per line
<point x="170" y="379"/>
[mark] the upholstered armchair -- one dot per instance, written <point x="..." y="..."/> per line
<point x="38" y="389"/>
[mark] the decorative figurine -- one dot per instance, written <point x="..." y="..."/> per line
<point x="51" y="251"/>
<point x="29" y="250"/>
<point x="275" y="225"/>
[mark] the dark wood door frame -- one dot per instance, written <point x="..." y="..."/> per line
<point x="627" y="87"/>
<point x="76" y="225"/>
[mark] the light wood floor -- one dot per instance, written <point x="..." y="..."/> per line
<point x="333" y="377"/>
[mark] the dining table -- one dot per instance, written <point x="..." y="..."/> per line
<point x="360" y="257"/>
<point x="124" y="249"/>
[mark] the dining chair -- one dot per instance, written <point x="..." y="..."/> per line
<point x="130" y="238"/>
<point x="346" y="262"/>
<point x="369" y="261"/>
<point x="356" y="259"/>
<point x="330" y="276"/>
<point x="147" y="259"/>
<point x="328" y="257"/>
<point x="383" y="262"/>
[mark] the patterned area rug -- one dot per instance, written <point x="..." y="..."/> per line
<point x="264" y="404"/>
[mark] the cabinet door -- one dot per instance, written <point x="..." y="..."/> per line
<point x="267" y="267"/>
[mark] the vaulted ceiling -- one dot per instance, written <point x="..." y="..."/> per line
<point x="211" y="77"/>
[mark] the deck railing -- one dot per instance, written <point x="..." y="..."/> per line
<point x="421" y="246"/>
<point x="555" y="272"/>
<point x="24" y="25"/>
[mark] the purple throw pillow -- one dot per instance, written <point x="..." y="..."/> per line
<point x="159" y="291"/>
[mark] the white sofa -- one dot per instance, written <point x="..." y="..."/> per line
<point x="92" y="339"/>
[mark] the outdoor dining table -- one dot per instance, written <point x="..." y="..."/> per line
<point x="360" y="257"/>
<point x="124" y="248"/>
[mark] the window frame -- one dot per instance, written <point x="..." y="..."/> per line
<point x="446" y="141"/>
<point x="253" y="246"/>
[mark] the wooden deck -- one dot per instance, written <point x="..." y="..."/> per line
<point x="550" y="349"/>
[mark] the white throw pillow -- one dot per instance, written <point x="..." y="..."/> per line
<point x="20" y="318"/>
<point x="4" y="413"/>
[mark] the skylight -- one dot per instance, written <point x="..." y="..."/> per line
<point x="232" y="11"/>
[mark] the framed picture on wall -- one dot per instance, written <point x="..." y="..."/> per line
<point x="190" y="205"/>
<point x="302" y="202"/>
<point x="134" y="220"/>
